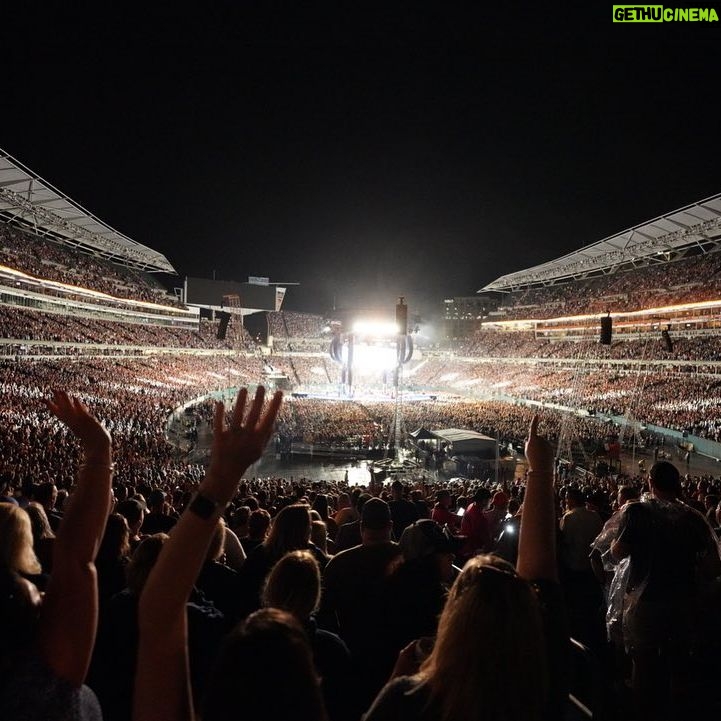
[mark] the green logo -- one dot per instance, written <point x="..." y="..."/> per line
<point x="660" y="14"/>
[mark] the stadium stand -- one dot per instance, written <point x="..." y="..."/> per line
<point x="135" y="368"/>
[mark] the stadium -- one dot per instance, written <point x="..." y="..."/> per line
<point x="79" y="299"/>
<point x="615" y="346"/>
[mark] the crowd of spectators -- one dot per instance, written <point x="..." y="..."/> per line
<point x="133" y="397"/>
<point x="366" y="593"/>
<point x="337" y="588"/>
<point x="285" y="324"/>
<point x="688" y="280"/>
<point x="23" y="324"/>
<point x="49" y="260"/>
<point x="524" y="344"/>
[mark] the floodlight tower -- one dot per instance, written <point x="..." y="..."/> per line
<point x="404" y="352"/>
<point x="341" y="351"/>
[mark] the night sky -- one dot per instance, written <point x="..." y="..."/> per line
<point x="365" y="152"/>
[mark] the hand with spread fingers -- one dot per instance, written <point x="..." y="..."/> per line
<point x="539" y="453"/>
<point x="86" y="427"/>
<point x="240" y="442"/>
<point x="162" y="685"/>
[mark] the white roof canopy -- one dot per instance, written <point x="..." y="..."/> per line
<point x="35" y="205"/>
<point x="465" y="441"/>
<point x="665" y="238"/>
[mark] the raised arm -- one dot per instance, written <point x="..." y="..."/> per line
<point x="537" y="541"/>
<point x="70" y="610"/>
<point x="162" y="686"/>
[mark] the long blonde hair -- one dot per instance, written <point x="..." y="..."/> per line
<point x="294" y="585"/>
<point x="16" y="540"/>
<point x="488" y="660"/>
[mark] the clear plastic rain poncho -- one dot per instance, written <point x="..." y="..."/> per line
<point x="616" y="591"/>
<point x="622" y="601"/>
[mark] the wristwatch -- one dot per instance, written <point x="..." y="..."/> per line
<point x="204" y="506"/>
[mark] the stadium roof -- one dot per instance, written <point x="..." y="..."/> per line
<point x="666" y="238"/>
<point x="35" y="205"/>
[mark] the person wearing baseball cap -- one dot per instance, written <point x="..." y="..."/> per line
<point x="496" y="513"/>
<point x="474" y="525"/>
<point x="427" y="538"/>
<point x="356" y="596"/>
<point x="419" y="585"/>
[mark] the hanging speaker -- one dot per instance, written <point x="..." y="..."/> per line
<point x="606" y="330"/>
<point x="667" y="341"/>
<point x="223" y="325"/>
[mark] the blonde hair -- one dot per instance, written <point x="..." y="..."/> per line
<point x="489" y="658"/>
<point x="319" y="535"/>
<point x="16" y="540"/>
<point x="294" y="585"/>
<point x="39" y="522"/>
<point x="143" y="560"/>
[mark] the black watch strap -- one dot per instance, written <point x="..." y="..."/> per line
<point x="205" y="507"/>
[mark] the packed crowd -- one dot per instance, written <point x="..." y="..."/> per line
<point x="523" y="344"/>
<point x="134" y="398"/>
<point x="23" y="324"/>
<point x="688" y="280"/>
<point x="310" y="599"/>
<point x="52" y="261"/>
<point x="289" y="324"/>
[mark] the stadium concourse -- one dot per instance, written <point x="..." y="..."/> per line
<point x="80" y="316"/>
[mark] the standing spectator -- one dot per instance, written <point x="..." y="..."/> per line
<point x="403" y="511"/>
<point x="113" y="557"/>
<point x="258" y="525"/>
<point x="579" y="528"/>
<point x="48" y="641"/>
<point x="496" y="513"/>
<point x="474" y="525"/>
<point x="47" y="496"/>
<point x="294" y="586"/>
<point x="514" y="635"/>
<point x="349" y="534"/>
<point x="134" y="512"/>
<point x="266" y="640"/>
<point x="158" y="520"/>
<point x="355" y="598"/>
<point x="442" y="513"/>
<point x="672" y="548"/>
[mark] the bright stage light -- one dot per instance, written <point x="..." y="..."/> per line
<point x="373" y="358"/>
<point x="379" y="329"/>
